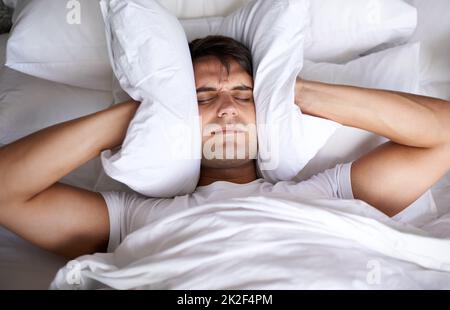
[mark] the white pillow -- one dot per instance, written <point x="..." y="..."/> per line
<point x="392" y="69"/>
<point x="433" y="32"/>
<point x="395" y="69"/>
<point x="342" y="30"/>
<point x="274" y="32"/>
<point x="47" y="41"/>
<point x="161" y="154"/>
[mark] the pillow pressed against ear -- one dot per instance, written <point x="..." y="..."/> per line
<point x="274" y="31"/>
<point x="150" y="56"/>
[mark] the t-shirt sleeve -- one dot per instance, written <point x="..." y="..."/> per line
<point x="122" y="209"/>
<point x="333" y="183"/>
<point x="337" y="182"/>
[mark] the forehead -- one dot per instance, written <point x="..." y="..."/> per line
<point x="209" y="70"/>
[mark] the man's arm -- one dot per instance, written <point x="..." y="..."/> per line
<point x="60" y="218"/>
<point x="397" y="173"/>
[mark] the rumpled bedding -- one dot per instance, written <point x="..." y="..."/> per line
<point x="271" y="243"/>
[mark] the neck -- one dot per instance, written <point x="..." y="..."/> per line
<point x="243" y="174"/>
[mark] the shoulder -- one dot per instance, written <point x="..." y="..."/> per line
<point x="329" y="184"/>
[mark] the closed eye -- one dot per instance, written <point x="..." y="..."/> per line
<point x="242" y="94"/>
<point x="204" y="101"/>
<point x="243" y="99"/>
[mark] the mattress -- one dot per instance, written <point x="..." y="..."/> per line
<point x="24" y="266"/>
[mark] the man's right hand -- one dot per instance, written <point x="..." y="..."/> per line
<point x="60" y="218"/>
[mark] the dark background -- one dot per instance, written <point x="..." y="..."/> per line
<point x="5" y="18"/>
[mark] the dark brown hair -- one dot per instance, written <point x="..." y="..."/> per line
<point x="224" y="49"/>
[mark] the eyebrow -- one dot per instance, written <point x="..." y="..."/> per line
<point x="208" y="89"/>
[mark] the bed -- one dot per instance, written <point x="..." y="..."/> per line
<point x="24" y="266"/>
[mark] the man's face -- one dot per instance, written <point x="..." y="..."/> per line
<point x="227" y="112"/>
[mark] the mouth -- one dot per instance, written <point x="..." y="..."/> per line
<point x="230" y="130"/>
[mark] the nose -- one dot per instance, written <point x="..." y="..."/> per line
<point x="227" y="107"/>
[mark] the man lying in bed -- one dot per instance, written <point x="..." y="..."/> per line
<point x="71" y="221"/>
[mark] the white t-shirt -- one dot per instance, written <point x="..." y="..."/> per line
<point x="129" y="212"/>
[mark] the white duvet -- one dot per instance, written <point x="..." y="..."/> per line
<point x="271" y="243"/>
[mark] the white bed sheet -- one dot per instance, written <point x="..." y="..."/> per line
<point x="24" y="266"/>
<point x="270" y="243"/>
